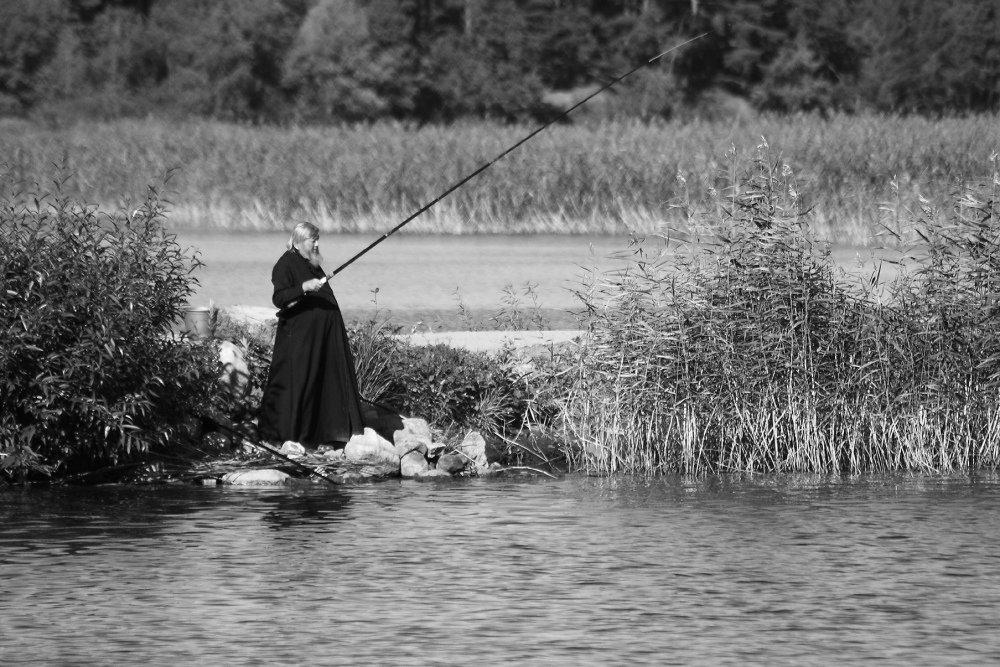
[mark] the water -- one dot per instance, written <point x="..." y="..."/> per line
<point x="416" y="276"/>
<point x="422" y="278"/>
<point x="577" y="571"/>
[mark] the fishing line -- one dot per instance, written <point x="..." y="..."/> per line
<point x="507" y="152"/>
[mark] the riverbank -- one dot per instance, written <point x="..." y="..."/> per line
<point x="475" y="341"/>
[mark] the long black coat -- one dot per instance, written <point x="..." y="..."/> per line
<point x="312" y="387"/>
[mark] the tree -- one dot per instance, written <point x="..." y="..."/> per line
<point x="29" y="37"/>
<point x="333" y="67"/>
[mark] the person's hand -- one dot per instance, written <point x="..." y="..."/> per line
<point x="312" y="285"/>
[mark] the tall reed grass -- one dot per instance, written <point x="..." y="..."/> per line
<point x="747" y="349"/>
<point x="606" y="178"/>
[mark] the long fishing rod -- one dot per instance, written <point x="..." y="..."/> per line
<point x="507" y="152"/>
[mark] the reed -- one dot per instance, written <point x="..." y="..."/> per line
<point x="594" y="179"/>
<point x="746" y="349"/>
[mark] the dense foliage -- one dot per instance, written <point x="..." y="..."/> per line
<point x="569" y="179"/>
<point x="432" y="60"/>
<point x="455" y="388"/>
<point x="749" y="350"/>
<point x="90" y="372"/>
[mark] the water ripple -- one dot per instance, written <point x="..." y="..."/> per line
<point x="794" y="570"/>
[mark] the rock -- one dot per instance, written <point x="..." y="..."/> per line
<point x="380" y="469"/>
<point x="412" y="464"/>
<point x="435" y="449"/>
<point x="451" y="463"/>
<point x="292" y="449"/>
<point x="432" y="473"/>
<point x="414" y="436"/>
<point x="407" y="442"/>
<point x="236" y="373"/>
<point x="474" y="447"/>
<point x="418" y="427"/>
<point x="265" y="477"/>
<point x="370" y="447"/>
<point x="384" y="420"/>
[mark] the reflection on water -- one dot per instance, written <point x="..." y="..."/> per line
<point x="771" y="570"/>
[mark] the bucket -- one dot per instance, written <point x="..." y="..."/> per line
<point x="197" y="322"/>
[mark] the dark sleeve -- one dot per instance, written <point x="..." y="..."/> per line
<point x="287" y="283"/>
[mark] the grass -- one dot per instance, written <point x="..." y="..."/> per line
<point x="600" y="179"/>
<point x="748" y="350"/>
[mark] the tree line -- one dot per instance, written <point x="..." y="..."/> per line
<point x="330" y="61"/>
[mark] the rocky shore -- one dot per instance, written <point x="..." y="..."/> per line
<point x="412" y="454"/>
<point x="394" y="446"/>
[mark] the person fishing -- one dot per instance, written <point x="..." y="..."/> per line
<point x="311" y="395"/>
<point x="312" y="389"/>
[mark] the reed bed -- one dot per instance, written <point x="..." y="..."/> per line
<point x="746" y="349"/>
<point x="595" y="179"/>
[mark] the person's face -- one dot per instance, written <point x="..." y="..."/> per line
<point x="309" y="247"/>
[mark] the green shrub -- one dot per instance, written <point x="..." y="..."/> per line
<point x="456" y="388"/>
<point x="90" y="372"/>
<point x="376" y="351"/>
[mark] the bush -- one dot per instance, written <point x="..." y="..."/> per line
<point x="90" y="372"/>
<point x="749" y="350"/>
<point x="454" y="388"/>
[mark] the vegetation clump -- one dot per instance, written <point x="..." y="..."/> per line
<point x="568" y="180"/>
<point x="734" y="343"/>
<point x="747" y="349"/>
<point x="91" y="373"/>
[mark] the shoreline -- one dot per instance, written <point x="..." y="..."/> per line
<point x="476" y="341"/>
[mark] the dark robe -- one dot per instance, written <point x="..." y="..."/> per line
<point x="312" y="387"/>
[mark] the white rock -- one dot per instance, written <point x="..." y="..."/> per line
<point x="407" y="442"/>
<point x="412" y="464"/>
<point x="370" y="447"/>
<point x="418" y="427"/>
<point x="474" y="446"/>
<point x="266" y="477"/>
<point x="292" y="449"/>
<point x="236" y="373"/>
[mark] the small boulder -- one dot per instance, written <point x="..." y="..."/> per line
<point x="407" y="442"/>
<point x="418" y="427"/>
<point x="265" y="477"/>
<point x="370" y="447"/>
<point x="412" y="464"/>
<point x="474" y="447"/>
<point x="379" y="469"/>
<point x="332" y="454"/>
<point x="236" y="373"/>
<point x="432" y="474"/>
<point x="451" y="463"/>
<point x="292" y="449"/>
<point x="414" y="436"/>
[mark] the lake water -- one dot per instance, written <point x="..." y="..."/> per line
<point x="789" y="570"/>
<point x="420" y="278"/>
